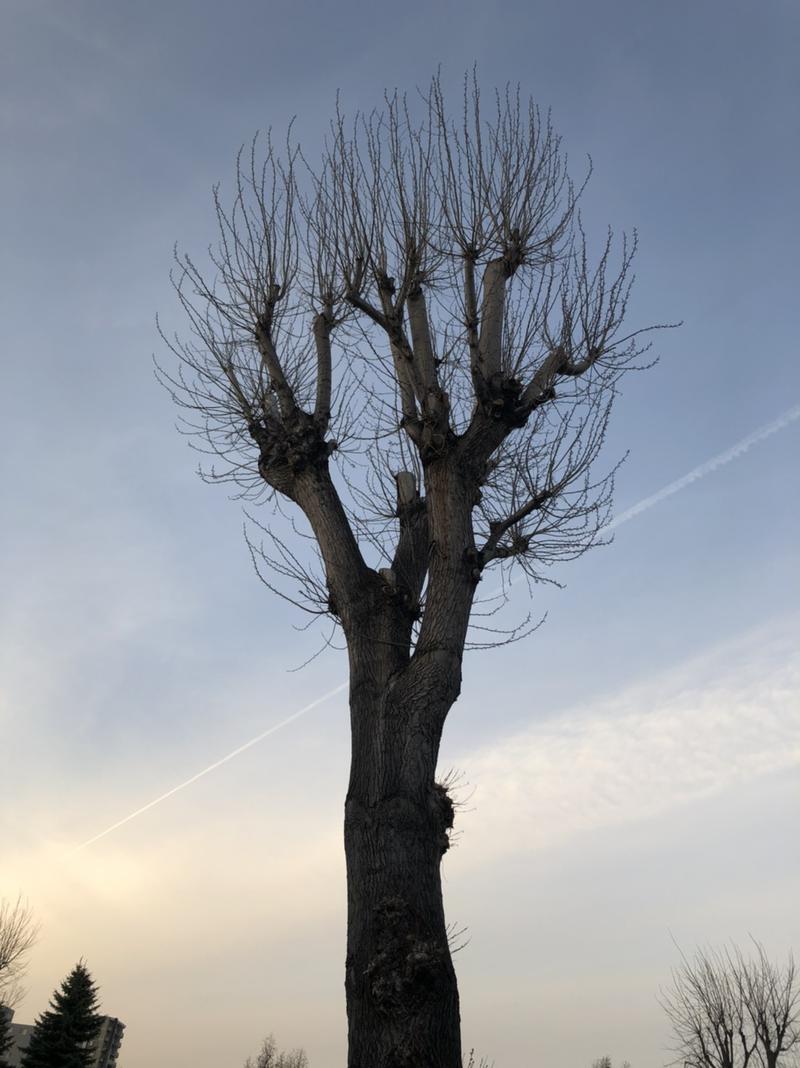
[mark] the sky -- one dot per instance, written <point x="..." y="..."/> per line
<point x="629" y="773"/>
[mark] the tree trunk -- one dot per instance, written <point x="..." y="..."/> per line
<point x="402" y="997"/>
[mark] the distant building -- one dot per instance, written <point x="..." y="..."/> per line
<point x="107" y="1043"/>
<point x="21" y="1036"/>
<point x="105" y="1046"/>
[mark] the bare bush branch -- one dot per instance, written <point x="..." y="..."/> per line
<point x="18" y="934"/>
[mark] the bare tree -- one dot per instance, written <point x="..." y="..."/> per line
<point x="18" y="934"/>
<point x="270" y="1057"/>
<point x="707" y="1008"/>
<point x="421" y="307"/>
<point x="726" y="1009"/>
<point x="772" y="996"/>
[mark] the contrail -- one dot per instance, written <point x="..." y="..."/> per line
<point x="707" y="468"/>
<point x="720" y="460"/>
<point x="212" y="767"/>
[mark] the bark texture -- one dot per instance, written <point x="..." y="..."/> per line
<point x="402" y="998"/>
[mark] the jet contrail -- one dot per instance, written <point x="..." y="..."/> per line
<point x="720" y="460"/>
<point x="212" y="767"/>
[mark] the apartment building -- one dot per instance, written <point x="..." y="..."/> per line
<point x="107" y="1043"/>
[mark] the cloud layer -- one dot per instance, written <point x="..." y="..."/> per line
<point x="727" y="718"/>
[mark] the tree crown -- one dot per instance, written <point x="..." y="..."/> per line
<point x="425" y="294"/>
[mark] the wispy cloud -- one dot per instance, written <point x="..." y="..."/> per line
<point x="724" y="719"/>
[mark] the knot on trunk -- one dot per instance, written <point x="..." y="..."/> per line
<point x="436" y="435"/>
<point x="404" y="974"/>
<point x="475" y="562"/>
<point x="443" y="814"/>
<point x="513" y="253"/>
<point x="397" y="593"/>
<point x="500" y="400"/>
<point x="287" y="447"/>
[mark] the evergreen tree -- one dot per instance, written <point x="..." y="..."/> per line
<point x="5" y="1034"/>
<point x="63" y="1035"/>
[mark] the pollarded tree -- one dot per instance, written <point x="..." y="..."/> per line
<point x="63" y="1035"/>
<point x="422" y="303"/>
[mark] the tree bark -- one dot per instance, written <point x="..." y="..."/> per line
<point x="402" y="997"/>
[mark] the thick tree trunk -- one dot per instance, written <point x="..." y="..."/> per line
<point x="402" y="998"/>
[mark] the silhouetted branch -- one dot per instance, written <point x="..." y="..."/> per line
<point x="435" y="269"/>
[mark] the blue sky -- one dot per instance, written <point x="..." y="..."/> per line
<point x="634" y="763"/>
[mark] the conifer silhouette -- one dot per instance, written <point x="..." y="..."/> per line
<point x="63" y="1035"/>
<point x="5" y="1034"/>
